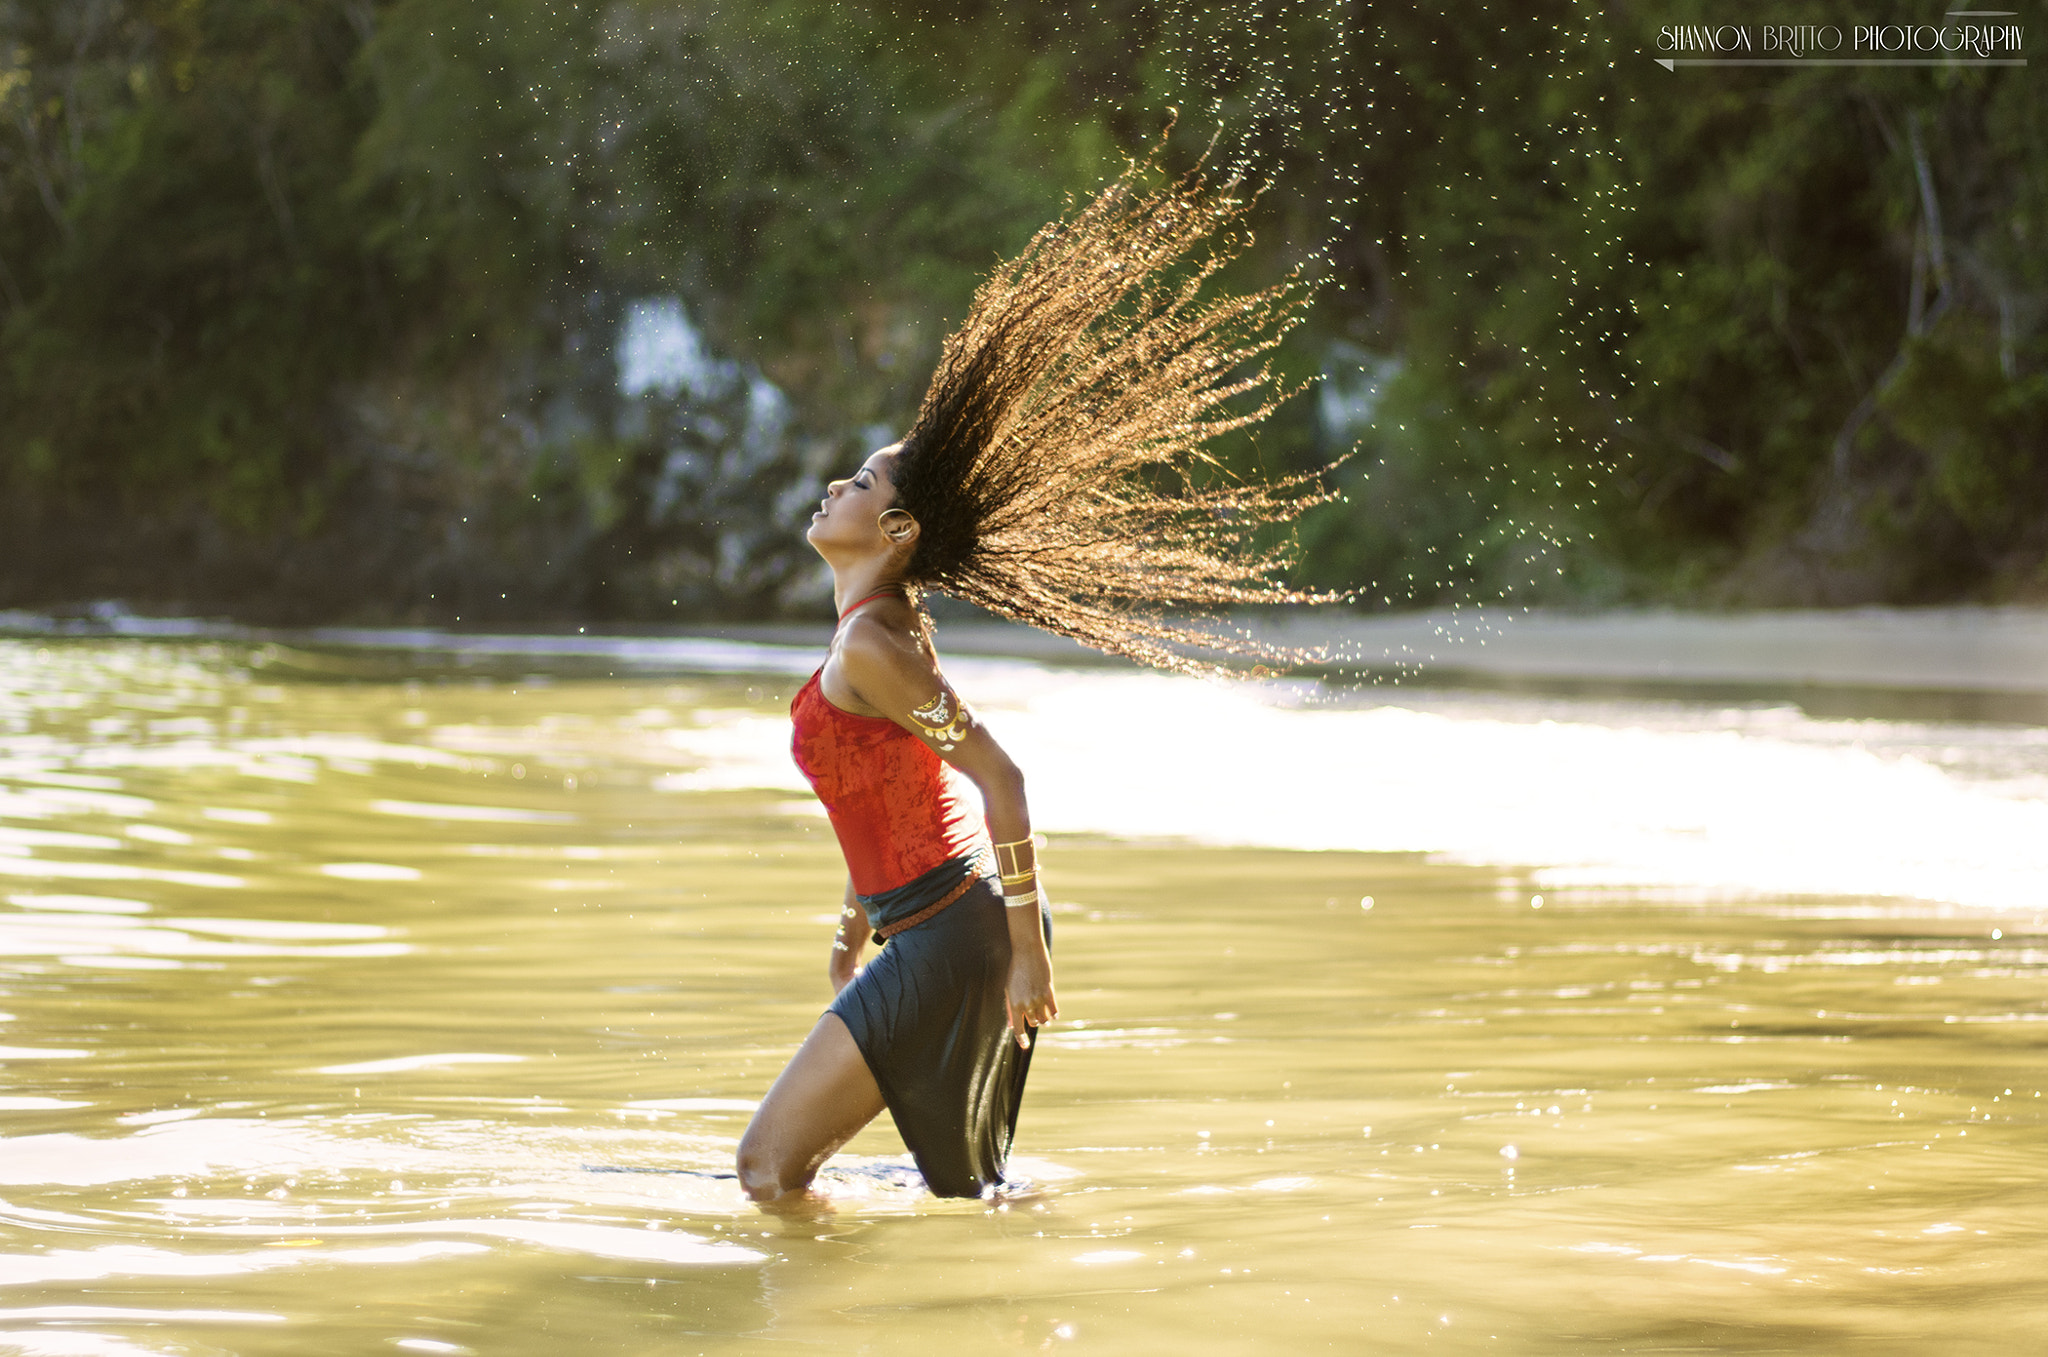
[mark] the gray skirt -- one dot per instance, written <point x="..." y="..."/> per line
<point x="928" y="1016"/>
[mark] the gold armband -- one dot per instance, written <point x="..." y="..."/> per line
<point x="944" y="720"/>
<point x="1016" y="860"/>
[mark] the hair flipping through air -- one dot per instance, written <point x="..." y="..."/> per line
<point x="1058" y="465"/>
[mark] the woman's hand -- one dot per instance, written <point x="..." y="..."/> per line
<point x="848" y="942"/>
<point x="1029" y="999"/>
<point x="844" y="966"/>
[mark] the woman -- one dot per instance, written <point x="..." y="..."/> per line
<point x="1055" y="474"/>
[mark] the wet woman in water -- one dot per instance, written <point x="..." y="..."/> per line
<point x="1055" y="474"/>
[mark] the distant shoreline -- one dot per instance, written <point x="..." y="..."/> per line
<point x="1942" y="649"/>
<point x="1948" y="649"/>
<point x="1955" y="649"/>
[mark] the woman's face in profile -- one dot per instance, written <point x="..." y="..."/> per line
<point x="849" y="514"/>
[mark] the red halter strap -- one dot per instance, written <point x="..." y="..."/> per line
<point x="895" y="589"/>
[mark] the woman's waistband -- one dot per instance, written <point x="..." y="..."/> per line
<point x="889" y="908"/>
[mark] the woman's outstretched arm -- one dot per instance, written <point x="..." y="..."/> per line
<point x="897" y="676"/>
<point x="1030" y="996"/>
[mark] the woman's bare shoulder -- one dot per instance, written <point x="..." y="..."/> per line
<point x="884" y="649"/>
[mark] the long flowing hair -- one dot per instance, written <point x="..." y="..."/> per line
<point x="1059" y="464"/>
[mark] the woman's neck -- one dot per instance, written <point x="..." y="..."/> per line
<point x="854" y="582"/>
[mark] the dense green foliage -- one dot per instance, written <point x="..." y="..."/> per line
<point x="309" y="308"/>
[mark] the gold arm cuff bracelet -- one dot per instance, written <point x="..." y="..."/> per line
<point x="1018" y="878"/>
<point x="1011" y="862"/>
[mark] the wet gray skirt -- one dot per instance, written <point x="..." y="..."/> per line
<point x="928" y="1016"/>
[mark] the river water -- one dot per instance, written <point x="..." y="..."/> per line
<point x="359" y="1001"/>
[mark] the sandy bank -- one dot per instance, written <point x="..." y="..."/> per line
<point x="1957" y="649"/>
<point x="1954" y="649"/>
<point x="1948" y="649"/>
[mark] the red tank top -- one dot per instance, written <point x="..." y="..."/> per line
<point x="899" y="809"/>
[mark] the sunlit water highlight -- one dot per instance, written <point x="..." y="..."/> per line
<point x="1752" y="799"/>
<point x="352" y="1011"/>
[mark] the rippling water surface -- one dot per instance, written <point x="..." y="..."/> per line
<point x="353" y="1003"/>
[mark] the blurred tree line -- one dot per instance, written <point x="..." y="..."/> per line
<point x="533" y="310"/>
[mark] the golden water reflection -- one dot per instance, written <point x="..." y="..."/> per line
<point x="371" y="1014"/>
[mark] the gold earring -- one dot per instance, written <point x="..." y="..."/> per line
<point x="901" y="533"/>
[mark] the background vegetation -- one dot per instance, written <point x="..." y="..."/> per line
<point x="313" y="309"/>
